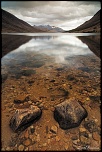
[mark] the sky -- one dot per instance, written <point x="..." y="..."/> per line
<point x="64" y="14"/>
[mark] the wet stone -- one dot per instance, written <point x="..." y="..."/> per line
<point x="21" y="148"/>
<point x="4" y="77"/>
<point x="70" y="78"/>
<point x="45" y="144"/>
<point x="8" y="149"/>
<point x="74" y="138"/>
<point x="26" y="134"/>
<point x="69" y="114"/>
<point x="38" y="138"/>
<point x="76" y="141"/>
<point x="96" y="136"/>
<point x="66" y="146"/>
<point x="47" y="130"/>
<point x="82" y="129"/>
<point x="27" y="142"/>
<point x="24" y="118"/>
<point x="32" y="129"/>
<point x="90" y="125"/>
<point x="95" y="146"/>
<point x="26" y="149"/>
<point x="57" y="138"/>
<point x="54" y="129"/>
<point x="31" y="148"/>
<point x="48" y="141"/>
<point x="84" y="140"/>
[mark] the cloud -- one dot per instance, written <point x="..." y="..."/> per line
<point x="56" y="13"/>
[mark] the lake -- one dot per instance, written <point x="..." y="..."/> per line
<point x="47" y="69"/>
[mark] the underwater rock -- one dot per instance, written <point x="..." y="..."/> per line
<point x="69" y="114"/>
<point x="24" y="118"/>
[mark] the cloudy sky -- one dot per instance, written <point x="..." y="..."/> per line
<point x="64" y="14"/>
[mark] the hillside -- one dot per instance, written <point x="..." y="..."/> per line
<point x="92" y="25"/>
<point x="11" y="23"/>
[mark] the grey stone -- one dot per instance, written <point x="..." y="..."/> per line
<point x="24" y="118"/>
<point x="69" y="114"/>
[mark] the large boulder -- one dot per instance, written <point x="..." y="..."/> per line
<point x="24" y="118"/>
<point x="69" y="114"/>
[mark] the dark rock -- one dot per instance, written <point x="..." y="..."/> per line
<point x="30" y="82"/>
<point x="70" y="78"/>
<point x="24" y="118"/>
<point x="52" y="80"/>
<point x="95" y="98"/>
<point x="22" y="101"/>
<point x="20" y="73"/>
<point x="32" y="129"/>
<point x="84" y="69"/>
<point x="69" y="114"/>
<point x="18" y="101"/>
<point x="60" y="69"/>
<point x="4" y="77"/>
<point x="65" y="92"/>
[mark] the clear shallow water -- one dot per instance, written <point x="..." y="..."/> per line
<point x="38" y="51"/>
<point x="58" y="46"/>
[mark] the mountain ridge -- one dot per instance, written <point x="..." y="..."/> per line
<point x="92" y="25"/>
<point x="11" y="23"/>
<point x="49" y="28"/>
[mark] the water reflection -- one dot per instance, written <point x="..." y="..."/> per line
<point x="32" y="52"/>
<point x="12" y="42"/>
<point x="93" y="42"/>
<point x="51" y="45"/>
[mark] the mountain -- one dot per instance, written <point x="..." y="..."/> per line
<point x="48" y="28"/>
<point x="11" y="23"/>
<point x="92" y="25"/>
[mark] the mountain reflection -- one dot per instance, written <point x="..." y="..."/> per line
<point x="60" y="46"/>
<point x="12" y="42"/>
<point x="93" y="42"/>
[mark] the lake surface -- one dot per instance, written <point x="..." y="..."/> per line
<point x="49" y="68"/>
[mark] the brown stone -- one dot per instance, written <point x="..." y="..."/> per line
<point x="38" y="138"/>
<point x="21" y="148"/>
<point x="27" y="142"/>
<point x="57" y="138"/>
<point x="45" y="144"/>
<point x="82" y="129"/>
<point x="48" y="141"/>
<point x="94" y="146"/>
<point x="8" y="149"/>
<point x="26" y="134"/>
<point x="96" y="136"/>
<point x="54" y="129"/>
<point x="66" y="146"/>
<point x="84" y="140"/>
<point x="31" y="148"/>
